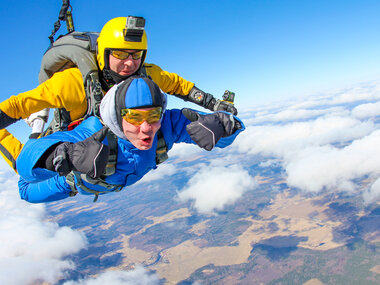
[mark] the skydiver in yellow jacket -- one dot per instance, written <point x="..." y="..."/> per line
<point x="118" y="58"/>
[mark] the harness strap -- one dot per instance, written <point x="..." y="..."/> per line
<point x="162" y="149"/>
<point x="75" y="179"/>
<point x="94" y="93"/>
<point x="112" y="158"/>
<point x="64" y="15"/>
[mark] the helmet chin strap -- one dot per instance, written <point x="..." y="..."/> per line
<point x="117" y="78"/>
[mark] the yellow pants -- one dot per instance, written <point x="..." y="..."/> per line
<point x="10" y="148"/>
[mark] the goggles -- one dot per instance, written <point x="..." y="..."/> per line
<point x="122" y="54"/>
<point x="137" y="117"/>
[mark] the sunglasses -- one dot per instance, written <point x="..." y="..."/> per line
<point x="137" y="117"/>
<point x="121" y="54"/>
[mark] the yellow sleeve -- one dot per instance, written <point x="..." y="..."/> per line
<point x="170" y="83"/>
<point x="64" y="89"/>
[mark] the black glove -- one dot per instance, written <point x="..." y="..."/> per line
<point x="208" y="101"/>
<point x="206" y="130"/>
<point x="89" y="156"/>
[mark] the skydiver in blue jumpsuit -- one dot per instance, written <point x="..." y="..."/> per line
<point x="64" y="163"/>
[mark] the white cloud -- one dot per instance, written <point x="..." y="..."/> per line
<point x="373" y="192"/>
<point x="326" y="167"/>
<point x="280" y="140"/>
<point x="31" y="249"/>
<point x="183" y="150"/>
<point x="215" y="186"/>
<point x="293" y="114"/>
<point x="366" y="110"/>
<point x="333" y="140"/>
<point x="368" y="92"/>
<point x="161" y="172"/>
<point x="139" y="276"/>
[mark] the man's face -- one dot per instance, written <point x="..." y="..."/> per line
<point x="141" y="136"/>
<point x="124" y="67"/>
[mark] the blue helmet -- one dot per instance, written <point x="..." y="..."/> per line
<point x="138" y="92"/>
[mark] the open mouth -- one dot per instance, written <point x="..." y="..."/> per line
<point x="147" y="140"/>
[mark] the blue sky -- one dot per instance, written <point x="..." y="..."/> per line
<point x="263" y="50"/>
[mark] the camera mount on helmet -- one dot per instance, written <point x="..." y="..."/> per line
<point x="134" y="29"/>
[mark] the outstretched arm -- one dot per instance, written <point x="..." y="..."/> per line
<point x="64" y="90"/>
<point x="89" y="156"/>
<point x="174" y="84"/>
<point x="29" y="161"/>
<point x="42" y="160"/>
<point x="207" y="130"/>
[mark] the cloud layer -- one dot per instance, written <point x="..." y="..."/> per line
<point x="326" y="142"/>
<point x="35" y="250"/>
<point x="323" y="142"/>
<point x="31" y="248"/>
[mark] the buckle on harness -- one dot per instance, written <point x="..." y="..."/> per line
<point x="74" y="124"/>
<point x="71" y="181"/>
<point x="80" y="177"/>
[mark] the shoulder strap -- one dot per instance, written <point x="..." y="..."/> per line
<point x="142" y="71"/>
<point x="94" y="93"/>
<point x="162" y="149"/>
<point x="112" y="158"/>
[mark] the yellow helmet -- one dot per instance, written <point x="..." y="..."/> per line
<point x="121" y="33"/>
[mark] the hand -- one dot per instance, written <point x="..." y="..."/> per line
<point x="225" y="106"/>
<point x="206" y="130"/>
<point x="208" y="101"/>
<point x="89" y="156"/>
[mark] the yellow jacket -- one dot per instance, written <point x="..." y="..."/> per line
<point x="65" y="89"/>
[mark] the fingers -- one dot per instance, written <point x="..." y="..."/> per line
<point x="89" y="157"/>
<point x="100" y="162"/>
<point x="100" y="135"/>
<point x="233" y="110"/>
<point x="206" y="131"/>
<point x="190" y="114"/>
<point x="225" y="106"/>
